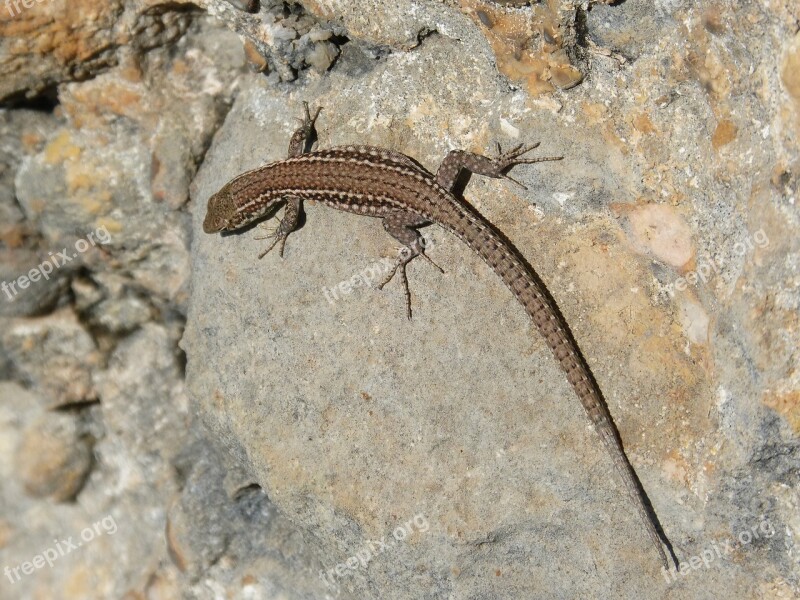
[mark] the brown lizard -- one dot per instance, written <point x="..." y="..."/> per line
<point x="374" y="181"/>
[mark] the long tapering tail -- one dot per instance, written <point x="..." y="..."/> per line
<point x="528" y="289"/>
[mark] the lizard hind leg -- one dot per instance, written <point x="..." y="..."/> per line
<point x="402" y="227"/>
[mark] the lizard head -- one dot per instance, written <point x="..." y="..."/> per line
<point x="220" y="212"/>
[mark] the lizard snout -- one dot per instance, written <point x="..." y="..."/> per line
<point x="218" y="213"/>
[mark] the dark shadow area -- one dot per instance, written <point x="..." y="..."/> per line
<point x="45" y="101"/>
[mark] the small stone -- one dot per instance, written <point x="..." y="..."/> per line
<point x="659" y="230"/>
<point x="54" y="457"/>
<point x="695" y="322"/>
<point x="724" y="134"/>
<point x="255" y="59"/>
<point x="643" y="124"/>
<point x="55" y="354"/>
<point x="565" y="76"/>
<point x="322" y="55"/>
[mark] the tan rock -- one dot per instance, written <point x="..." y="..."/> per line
<point x="54" y="457"/>
<point x="659" y="230"/>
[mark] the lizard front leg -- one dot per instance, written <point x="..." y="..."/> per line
<point x="302" y="138"/>
<point x="304" y="135"/>
<point x="402" y="227"/>
<point x="457" y="160"/>
<point x="287" y="225"/>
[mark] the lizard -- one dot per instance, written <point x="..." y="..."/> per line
<point x="374" y="181"/>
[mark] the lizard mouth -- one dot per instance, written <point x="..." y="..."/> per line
<point x="211" y="225"/>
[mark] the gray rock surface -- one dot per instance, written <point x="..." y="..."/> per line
<point x="43" y="44"/>
<point x="353" y="423"/>
<point x="202" y="424"/>
<point x="54" y="354"/>
<point x="23" y="134"/>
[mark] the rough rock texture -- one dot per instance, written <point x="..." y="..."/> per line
<point x="49" y="42"/>
<point x="180" y="419"/>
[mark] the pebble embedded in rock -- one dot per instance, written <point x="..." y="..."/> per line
<point x="54" y="457"/>
<point x="662" y="231"/>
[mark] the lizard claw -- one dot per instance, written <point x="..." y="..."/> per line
<point x="304" y="137"/>
<point x="276" y="235"/>
<point x="400" y="265"/>
<point x="510" y="158"/>
<point x="308" y="121"/>
<point x="430" y="260"/>
<point x="405" y="255"/>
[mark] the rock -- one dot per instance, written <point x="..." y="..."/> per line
<point x="55" y="355"/>
<point x="790" y="69"/>
<point x="239" y="537"/>
<point x="661" y="231"/>
<point x="282" y="38"/>
<point x="641" y="238"/>
<point x="630" y="31"/>
<point x="123" y="184"/>
<point x="23" y="134"/>
<point x="278" y="428"/>
<point x="47" y="543"/>
<point x="141" y="386"/>
<point x="54" y="457"/>
<point x="18" y="410"/>
<point x="29" y="283"/>
<point x="110" y="304"/>
<point x="48" y="43"/>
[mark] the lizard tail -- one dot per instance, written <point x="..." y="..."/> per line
<point x="528" y="289"/>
